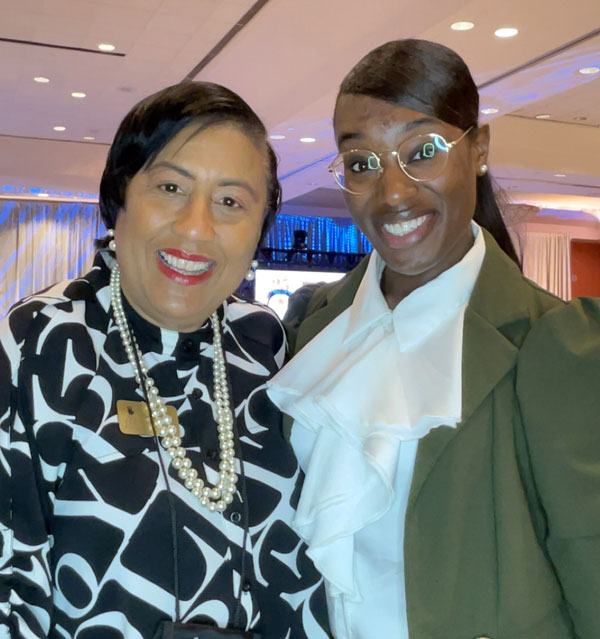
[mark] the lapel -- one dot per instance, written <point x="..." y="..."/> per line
<point x="498" y="303"/>
<point x="338" y="298"/>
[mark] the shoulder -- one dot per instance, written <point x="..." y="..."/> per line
<point x="310" y="296"/>
<point x="563" y="346"/>
<point x="506" y="299"/>
<point x="303" y="303"/>
<point x="57" y="309"/>
<point x="256" y="323"/>
<point x="309" y="300"/>
<point x="558" y="378"/>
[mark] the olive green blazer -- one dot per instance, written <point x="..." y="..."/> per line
<point x="502" y="532"/>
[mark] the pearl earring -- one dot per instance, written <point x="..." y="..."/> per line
<point x="110" y="233"/>
<point x="112" y="245"/>
<point x="251" y="271"/>
<point x="483" y="169"/>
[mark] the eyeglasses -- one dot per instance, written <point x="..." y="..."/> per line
<point x="422" y="158"/>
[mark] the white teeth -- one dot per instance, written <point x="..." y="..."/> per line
<point x="404" y="228"/>
<point x="185" y="267"/>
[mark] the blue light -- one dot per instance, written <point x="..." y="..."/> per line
<point x="440" y="143"/>
<point x="13" y="189"/>
<point x="323" y="234"/>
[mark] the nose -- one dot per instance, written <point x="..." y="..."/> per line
<point x="195" y="220"/>
<point x="396" y="187"/>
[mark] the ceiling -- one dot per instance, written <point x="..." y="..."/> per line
<point x="287" y="58"/>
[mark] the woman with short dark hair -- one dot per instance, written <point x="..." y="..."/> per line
<point x="145" y="486"/>
<point x="446" y="410"/>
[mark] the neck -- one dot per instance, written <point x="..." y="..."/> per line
<point x="169" y="323"/>
<point x="396" y="286"/>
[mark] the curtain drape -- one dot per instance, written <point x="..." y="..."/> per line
<point x="42" y="243"/>
<point x="547" y="261"/>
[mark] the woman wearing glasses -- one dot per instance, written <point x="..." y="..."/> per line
<point x="449" y="427"/>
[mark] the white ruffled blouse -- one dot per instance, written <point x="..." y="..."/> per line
<point x="362" y="393"/>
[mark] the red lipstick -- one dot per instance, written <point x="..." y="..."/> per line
<point x="186" y="279"/>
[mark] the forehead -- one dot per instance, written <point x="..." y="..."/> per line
<point x="222" y="146"/>
<point x="361" y="116"/>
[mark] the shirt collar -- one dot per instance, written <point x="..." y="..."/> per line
<point x="421" y="312"/>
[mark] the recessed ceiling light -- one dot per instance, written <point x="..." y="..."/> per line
<point x="506" y="32"/>
<point x="308" y="140"/>
<point x="59" y="128"/>
<point x="542" y="116"/>
<point x="489" y="110"/>
<point x="42" y="195"/>
<point x="105" y="46"/>
<point x="464" y="25"/>
<point x="41" y="79"/>
<point x="78" y="94"/>
<point x="589" y="70"/>
<point x="88" y="137"/>
<point x="560" y="175"/>
<point x="277" y="136"/>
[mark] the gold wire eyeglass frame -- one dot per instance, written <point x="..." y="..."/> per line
<point x="401" y="164"/>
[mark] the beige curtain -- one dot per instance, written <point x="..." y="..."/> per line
<point x="42" y="243"/>
<point x="547" y="261"/>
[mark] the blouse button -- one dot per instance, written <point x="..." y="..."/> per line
<point x="197" y="394"/>
<point x="211" y="454"/>
<point x="247" y="586"/>
<point x="187" y="345"/>
<point x="235" y="517"/>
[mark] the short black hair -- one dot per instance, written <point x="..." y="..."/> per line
<point x="430" y="78"/>
<point x="157" y="119"/>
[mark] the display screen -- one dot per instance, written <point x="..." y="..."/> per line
<point x="274" y="288"/>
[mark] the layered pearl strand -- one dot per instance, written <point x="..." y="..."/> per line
<point x="221" y="494"/>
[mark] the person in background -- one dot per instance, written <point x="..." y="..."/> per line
<point x="446" y="410"/>
<point x="146" y="489"/>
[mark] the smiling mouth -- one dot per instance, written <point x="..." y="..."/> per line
<point x="183" y="266"/>
<point x="404" y="228"/>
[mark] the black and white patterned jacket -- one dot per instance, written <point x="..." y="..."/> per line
<point x="86" y="546"/>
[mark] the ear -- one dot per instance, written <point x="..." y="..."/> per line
<point x="481" y="148"/>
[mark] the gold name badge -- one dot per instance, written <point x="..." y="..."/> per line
<point x="134" y="418"/>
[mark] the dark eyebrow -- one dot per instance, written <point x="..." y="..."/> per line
<point x="241" y="184"/>
<point x="178" y="169"/>
<point x="227" y="182"/>
<point x="407" y="126"/>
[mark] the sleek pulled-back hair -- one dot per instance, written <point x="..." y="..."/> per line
<point x="157" y="119"/>
<point x="431" y="79"/>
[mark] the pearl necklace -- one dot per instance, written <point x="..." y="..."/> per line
<point x="221" y="494"/>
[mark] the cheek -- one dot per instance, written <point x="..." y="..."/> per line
<point x="359" y="207"/>
<point x="131" y="224"/>
<point x="456" y="193"/>
<point x="462" y="199"/>
<point x="145" y="214"/>
<point x="239" y="241"/>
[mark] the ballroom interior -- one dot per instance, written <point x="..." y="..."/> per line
<point x="71" y="69"/>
